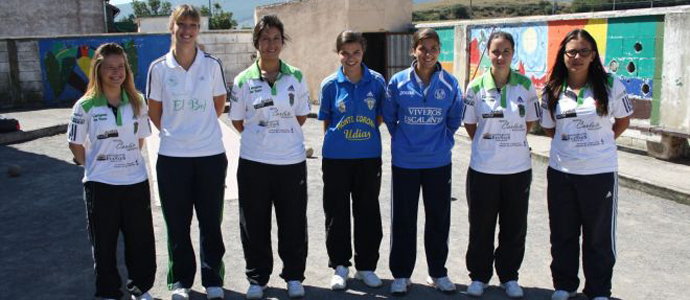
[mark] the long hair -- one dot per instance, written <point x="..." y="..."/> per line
<point x="95" y="87"/>
<point x="349" y="36"/>
<point x="596" y="76"/>
<point x="422" y="34"/>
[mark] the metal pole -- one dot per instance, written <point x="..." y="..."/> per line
<point x="614" y="4"/>
<point x="210" y="9"/>
<point x="553" y="7"/>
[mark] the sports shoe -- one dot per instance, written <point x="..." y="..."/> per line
<point x="369" y="278"/>
<point x="399" y="286"/>
<point x="476" y="288"/>
<point x="180" y="292"/>
<point x="442" y="284"/>
<point x="562" y="295"/>
<point x="255" y="291"/>
<point x="215" y="293"/>
<point x="144" y="296"/>
<point x="295" y="289"/>
<point x="601" y="298"/>
<point x="339" y="280"/>
<point x="513" y="289"/>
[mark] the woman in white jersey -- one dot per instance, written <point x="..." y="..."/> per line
<point x="105" y="134"/>
<point x="186" y="92"/>
<point x="584" y="111"/>
<point x="501" y="107"/>
<point x="270" y="102"/>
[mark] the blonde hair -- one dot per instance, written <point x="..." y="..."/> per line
<point x="95" y="88"/>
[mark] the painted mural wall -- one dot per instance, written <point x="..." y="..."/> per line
<point x="65" y="62"/>
<point x="447" y="37"/>
<point x="628" y="46"/>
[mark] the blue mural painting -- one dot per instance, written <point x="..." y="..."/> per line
<point x="65" y="62"/>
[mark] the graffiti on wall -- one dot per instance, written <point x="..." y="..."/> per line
<point x="65" y="62"/>
<point x="627" y="46"/>
<point x="447" y="37"/>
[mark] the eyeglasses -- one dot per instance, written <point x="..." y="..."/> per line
<point x="584" y="52"/>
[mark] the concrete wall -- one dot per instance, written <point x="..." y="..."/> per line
<point x="52" y="71"/>
<point x="675" y="107"/>
<point x="650" y="40"/>
<point x="160" y="24"/>
<point x="47" y="18"/>
<point x="313" y="26"/>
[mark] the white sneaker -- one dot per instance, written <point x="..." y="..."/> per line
<point x="295" y="289"/>
<point x="339" y="280"/>
<point x="215" y="293"/>
<point x="476" y="288"/>
<point x="513" y="289"/>
<point x="180" y="292"/>
<point x="442" y="284"/>
<point x="255" y="291"/>
<point x="562" y="295"/>
<point x="144" y="296"/>
<point x="601" y="298"/>
<point x="369" y="278"/>
<point x="399" y="286"/>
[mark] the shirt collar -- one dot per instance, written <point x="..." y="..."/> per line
<point x="366" y="75"/>
<point x="489" y="83"/>
<point x="413" y="72"/>
<point x="100" y="100"/>
<point x="172" y="62"/>
<point x="255" y="73"/>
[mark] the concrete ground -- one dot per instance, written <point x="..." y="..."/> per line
<point x="44" y="250"/>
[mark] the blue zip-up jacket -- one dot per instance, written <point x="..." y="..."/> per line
<point x="351" y="110"/>
<point x="422" y="127"/>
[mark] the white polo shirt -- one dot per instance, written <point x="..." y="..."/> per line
<point x="111" y="143"/>
<point x="189" y="124"/>
<point x="500" y="144"/>
<point x="584" y="141"/>
<point x="271" y="133"/>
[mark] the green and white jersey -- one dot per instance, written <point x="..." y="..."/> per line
<point x="111" y="142"/>
<point x="271" y="133"/>
<point x="584" y="142"/>
<point x="500" y="142"/>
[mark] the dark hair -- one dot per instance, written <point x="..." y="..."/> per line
<point x="425" y="33"/>
<point x="264" y="23"/>
<point x="349" y="36"/>
<point x="596" y="75"/>
<point x="500" y="34"/>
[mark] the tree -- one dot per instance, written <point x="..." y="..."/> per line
<point x="220" y="19"/>
<point x="151" y="8"/>
<point x="166" y="9"/>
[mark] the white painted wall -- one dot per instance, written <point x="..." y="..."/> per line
<point x="161" y="23"/>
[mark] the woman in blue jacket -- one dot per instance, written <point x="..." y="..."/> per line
<point x="422" y="111"/>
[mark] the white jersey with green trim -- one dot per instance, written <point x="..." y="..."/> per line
<point x="111" y="142"/>
<point x="584" y="142"/>
<point x="271" y="133"/>
<point x="500" y="143"/>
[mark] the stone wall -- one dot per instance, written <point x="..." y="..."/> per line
<point x="50" y="18"/>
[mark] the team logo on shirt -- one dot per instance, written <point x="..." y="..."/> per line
<point x="108" y="134"/>
<point x="264" y="103"/>
<point x="110" y="157"/>
<point x="291" y="88"/>
<point x="439" y="94"/>
<point x="371" y="102"/>
<point x="341" y="106"/>
<point x="575" y="137"/>
<point x="572" y="113"/>
<point x="499" y="137"/>
<point x="519" y="100"/>
<point x="172" y="81"/>
<point x="424" y="116"/>
<point x="292" y="99"/>
<point x="136" y="127"/>
<point x="521" y="110"/>
<point x="493" y="114"/>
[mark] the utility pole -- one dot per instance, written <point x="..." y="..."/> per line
<point x="210" y="9"/>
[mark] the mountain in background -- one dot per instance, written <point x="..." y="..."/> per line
<point x="243" y="11"/>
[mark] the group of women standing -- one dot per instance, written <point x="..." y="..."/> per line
<point x="422" y="107"/>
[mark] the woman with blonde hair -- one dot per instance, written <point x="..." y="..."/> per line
<point x="186" y="92"/>
<point x="105" y="134"/>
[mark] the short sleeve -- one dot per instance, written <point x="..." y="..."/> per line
<point x="78" y="127"/>
<point x="326" y="99"/>
<point x="219" y="86"/>
<point x="302" y="105"/>
<point x="470" y="113"/>
<point x="533" y="108"/>
<point x="546" y="121"/>
<point x="143" y="127"/>
<point x="237" y="101"/>
<point x="154" y="87"/>
<point x="621" y="105"/>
